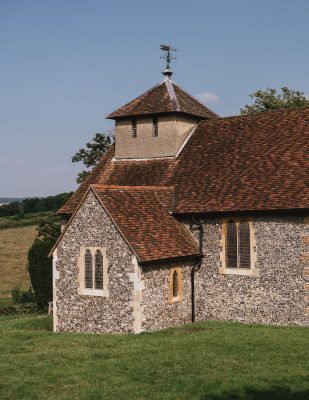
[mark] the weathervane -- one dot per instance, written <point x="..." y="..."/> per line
<point x="168" y="56"/>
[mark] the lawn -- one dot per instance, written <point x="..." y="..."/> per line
<point x="14" y="246"/>
<point x="211" y="360"/>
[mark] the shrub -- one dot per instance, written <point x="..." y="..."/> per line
<point x="40" y="270"/>
<point x="28" y="308"/>
<point x="19" y="296"/>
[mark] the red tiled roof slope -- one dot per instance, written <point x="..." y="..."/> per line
<point x="166" y="97"/>
<point x="258" y="162"/>
<point x="249" y="162"/>
<point x="142" y="216"/>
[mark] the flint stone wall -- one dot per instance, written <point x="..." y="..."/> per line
<point x="277" y="296"/>
<point x="79" y="313"/>
<point x="158" y="313"/>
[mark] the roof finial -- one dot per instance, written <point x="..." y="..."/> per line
<point x="168" y="58"/>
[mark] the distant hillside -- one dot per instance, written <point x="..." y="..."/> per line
<point x="6" y="200"/>
<point x="32" y="205"/>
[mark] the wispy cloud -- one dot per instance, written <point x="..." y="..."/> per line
<point x="207" y="97"/>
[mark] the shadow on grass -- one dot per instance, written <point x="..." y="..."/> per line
<point x="274" y="393"/>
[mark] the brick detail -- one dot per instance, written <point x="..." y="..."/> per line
<point x="306" y="286"/>
<point x="306" y="273"/>
<point x="305" y="239"/>
<point x="305" y="257"/>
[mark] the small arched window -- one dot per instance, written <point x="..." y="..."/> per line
<point x="98" y="270"/>
<point x="175" y="284"/>
<point x="88" y="270"/>
<point x="231" y="244"/>
<point x="244" y="245"/>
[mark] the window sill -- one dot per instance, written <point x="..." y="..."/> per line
<point x="95" y="293"/>
<point x="238" y="271"/>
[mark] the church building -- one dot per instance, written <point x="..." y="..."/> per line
<point x="188" y="217"/>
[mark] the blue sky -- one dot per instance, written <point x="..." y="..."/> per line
<point x="66" y="64"/>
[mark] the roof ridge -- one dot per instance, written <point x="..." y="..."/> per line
<point x="135" y="98"/>
<point x="102" y="186"/>
<point x="194" y="98"/>
<point x="259" y="114"/>
<point x="172" y="94"/>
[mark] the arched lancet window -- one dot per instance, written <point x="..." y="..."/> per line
<point x="231" y="244"/>
<point x="175" y="284"/>
<point x="98" y="270"/>
<point x="244" y="245"/>
<point x="88" y="270"/>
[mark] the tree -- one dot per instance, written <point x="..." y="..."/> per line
<point x="50" y="227"/>
<point x="40" y="270"/>
<point x="39" y="264"/>
<point x="270" y="100"/>
<point x="93" y="152"/>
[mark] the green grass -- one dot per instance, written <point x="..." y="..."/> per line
<point x="6" y="302"/>
<point x="17" y="221"/>
<point x="212" y="360"/>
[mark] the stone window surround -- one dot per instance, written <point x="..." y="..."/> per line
<point x="81" y="276"/>
<point x="171" y="298"/>
<point x="223" y="270"/>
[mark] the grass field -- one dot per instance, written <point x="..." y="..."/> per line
<point x="14" y="246"/>
<point x="17" y="221"/>
<point x="212" y="360"/>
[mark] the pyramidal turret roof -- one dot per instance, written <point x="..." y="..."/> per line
<point x="166" y="97"/>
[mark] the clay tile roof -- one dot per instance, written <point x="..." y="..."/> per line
<point x="142" y="216"/>
<point x="166" y="97"/>
<point x="242" y="163"/>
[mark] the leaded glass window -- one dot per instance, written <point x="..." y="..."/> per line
<point x="231" y="244"/>
<point x="244" y="245"/>
<point x="238" y="247"/>
<point x="88" y="270"/>
<point x="175" y="284"/>
<point x="98" y="270"/>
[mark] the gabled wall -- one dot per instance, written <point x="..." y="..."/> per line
<point x="80" y="313"/>
<point x="173" y="131"/>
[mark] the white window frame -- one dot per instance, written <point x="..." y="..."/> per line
<point x="223" y="270"/>
<point x="81" y="267"/>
